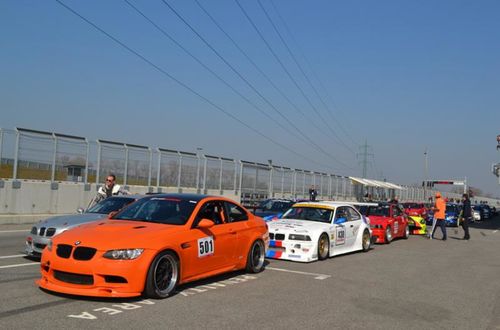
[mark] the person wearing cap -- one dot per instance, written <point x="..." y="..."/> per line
<point x="439" y="215"/>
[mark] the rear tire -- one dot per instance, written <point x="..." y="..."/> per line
<point x="323" y="247"/>
<point x="388" y="235"/>
<point x="255" y="258"/>
<point x="163" y="275"/>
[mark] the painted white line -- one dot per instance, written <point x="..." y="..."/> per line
<point x="13" y="256"/>
<point x="19" y="265"/>
<point x="495" y="231"/>
<point x="316" y="276"/>
<point x="14" y="231"/>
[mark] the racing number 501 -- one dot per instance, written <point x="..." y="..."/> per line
<point x="205" y="246"/>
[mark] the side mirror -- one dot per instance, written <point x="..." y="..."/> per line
<point x="338" y="221"/>
<point x="112" y="214"/>
<point x="206" y="223"/>
<point x="80" y="210"/>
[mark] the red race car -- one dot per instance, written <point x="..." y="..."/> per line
<point x="415" y="209"/>
<point x="387" y="222"/>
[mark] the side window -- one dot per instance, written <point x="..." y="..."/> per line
<point x="342" y="213"/>
<point x="395" y="211"/>
<point x="210" y="210"/>
<point x="353" y="214"/>
<point x="235" y="213"/>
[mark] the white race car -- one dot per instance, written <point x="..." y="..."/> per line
<point x="317" y="230"/>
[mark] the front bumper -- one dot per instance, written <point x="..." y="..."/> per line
<point x="378" y="235"/>
<point x="35" y="244"/>
<point x="301" y="251"/>
<point x="98" y="277"/>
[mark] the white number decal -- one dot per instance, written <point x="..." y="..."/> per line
<point x="396" y="227"/>
<point x="340" y="236"/>
<point x="205" y="246"/>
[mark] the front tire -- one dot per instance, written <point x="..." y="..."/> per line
<point x="255" y="258"/>
<point x="366" y="241"/>
<point x="407" y="232"/>
<point x="388" y="235"/>
<point x="163" y="275"/>
<point x="323" y="247"/>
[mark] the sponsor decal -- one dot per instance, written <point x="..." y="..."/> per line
<point x="396" y="227"/>
<point x="340" y="236"/>
<point x="294" y="256"/>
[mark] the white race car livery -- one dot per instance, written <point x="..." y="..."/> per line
<point x="317" y="230"/>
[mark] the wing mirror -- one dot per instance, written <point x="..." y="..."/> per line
<point x="206" y="223"/>
<point x="339" y="221"/>
<point x="80" y="210"/>
<point x="112" y="214"/>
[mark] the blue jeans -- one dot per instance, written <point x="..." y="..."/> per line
<point x="441" y="223"/>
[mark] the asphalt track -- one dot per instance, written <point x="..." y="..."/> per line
<point x="413" y="284"/>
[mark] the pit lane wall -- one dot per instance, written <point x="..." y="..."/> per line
<point x="29" y="201"/>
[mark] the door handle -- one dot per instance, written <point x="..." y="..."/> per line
<point x="352" y="226"/>
<point x="232" y="232"/>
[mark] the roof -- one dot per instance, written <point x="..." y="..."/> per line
<point x="326" y="204"/>
<point x="375" y="183"/>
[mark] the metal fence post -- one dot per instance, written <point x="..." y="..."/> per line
<point x="270" y="188"/>
<point x="241" y="177"/>
<point x="87" y="152"/>
<point x="125" y="175"/>
<point x="282" y="182"/>
<point x="179" y="171"/>
<point x="198" y="165"/>
<point x="235" y="176"/>
<point x="54" y="157"/>
<point x="16" y="155"/>
<point x="150" y="167"/>
<point x="220" y="175"/>
<point x="98" y="170"/>
<point x="205" y="163"/>
<point x="1" y="145"/>
<point x="159" y="169"/>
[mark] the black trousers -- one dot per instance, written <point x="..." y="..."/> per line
<point x="465" y="226"/>
<point x="441" y="223"/>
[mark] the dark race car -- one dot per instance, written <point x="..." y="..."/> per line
<point x="271" y="209"/>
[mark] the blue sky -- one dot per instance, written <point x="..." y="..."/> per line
<point x="404" y="75"/>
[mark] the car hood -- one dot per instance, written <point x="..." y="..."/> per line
<point x="70" y="220"/>
<point x="295" y="226"/>
<point x="451" y="214"/>
<point x="262" y="213"/>
<point x="377" y="219"/>
<point x="117" y="234"/>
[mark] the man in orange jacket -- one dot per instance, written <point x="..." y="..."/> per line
<point x="439" y="214"/>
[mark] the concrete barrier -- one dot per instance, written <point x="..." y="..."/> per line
<point x="28" y="201"/>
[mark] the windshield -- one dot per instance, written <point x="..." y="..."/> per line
<point x="110" y="204"/>
<point x="309" y="213"/>
<point x="380" y="211"/>
<point x="171" y="211"/>
<point x="270" y="205"/>
<point x="413" y="205"/>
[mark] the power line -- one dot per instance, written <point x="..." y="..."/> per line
<point x="287" y="72"/>
<point x="247" y="82"/>
<point x="287" y="29"/>
<point x="178" y="44"/>
<point x="255" y="65"/>
<point x="300" y="68"/>
<point x="165" y="73"/>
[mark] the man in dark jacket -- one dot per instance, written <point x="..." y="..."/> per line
<point x="467" y="215"/>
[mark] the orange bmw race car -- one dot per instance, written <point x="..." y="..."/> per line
<point x="153" y="245"/>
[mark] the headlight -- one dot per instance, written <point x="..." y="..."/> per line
<point x="125" y="254"/>
<point x="296" y="237"/>
<point x="49" y="245"/>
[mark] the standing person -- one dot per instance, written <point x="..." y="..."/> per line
<point x="439" y="215"/>
<point x="108" y="189"/>
<point x="312" y="194"/>
<point x="467" y="215"/>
